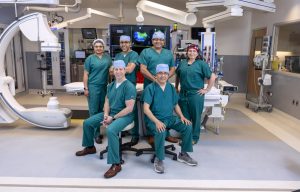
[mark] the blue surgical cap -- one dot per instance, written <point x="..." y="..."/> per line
<point x="162" y="68"/>
<point x="119" y="64"/>
<point x="158" y="35"/>
<point x="124" y="38"/>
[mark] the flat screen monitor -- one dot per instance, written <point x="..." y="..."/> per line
<point x="80" y="54"/>
<point x="116" y="31"/>
<point x="142" y="35"/>
<point x="196" y="32"/>
<point x="89" y="33"/>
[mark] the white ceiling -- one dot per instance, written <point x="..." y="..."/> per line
<point x="177" y="4"/>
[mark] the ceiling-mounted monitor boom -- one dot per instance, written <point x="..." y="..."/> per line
<point x="165" y="12"/>
<point x="88" y="15"/>
<point x="231" y="12"/>
<point x="234" y="8"/>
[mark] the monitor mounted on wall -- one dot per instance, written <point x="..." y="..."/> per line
<point x="141" y="36"/>
<point x="89" y="33"/>
<point x="80" y="54"/>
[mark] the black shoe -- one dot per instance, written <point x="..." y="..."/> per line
<point x="98" y="139"/>
<point x="172" y="139"/>
<point x="134" y="141"/>
<point x="125" y="133"/>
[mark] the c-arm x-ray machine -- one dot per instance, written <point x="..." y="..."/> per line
<point x="34" y="26"/>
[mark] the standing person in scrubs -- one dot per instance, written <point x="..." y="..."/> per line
<point x="150" y="58"/>
<point x="160" y="100"/>
<point x="95" y="80"/>
<point x="191" y="74"/>
<point x="118" y="113"/>
<point x="130" y="58"/>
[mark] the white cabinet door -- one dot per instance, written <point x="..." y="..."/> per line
<point x="59" y="63"/>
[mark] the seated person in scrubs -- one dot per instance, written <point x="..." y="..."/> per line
<point x="118" y="113"/>
<point x="160" y="100"/>
<point x="149" y="59"/>
<point x="130" y="58"/>
<point x="191" y="74"/>
<point x="95" y="80"/>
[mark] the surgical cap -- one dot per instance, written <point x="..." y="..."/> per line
<point x="193" y="46"/>
<point x="158" y="35"/>
<point x="119" y="64"/>
<point x="162" y="68"/>
<point x="98" y="41"/>
<point x="124" y="38"/>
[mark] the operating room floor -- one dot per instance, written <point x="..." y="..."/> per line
<point x="243" y="150"/>
<point x="251" y="146"/>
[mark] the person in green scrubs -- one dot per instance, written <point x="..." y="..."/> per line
<point x="150" y="58"/>
<point x="191" y="75"/>
<point x="130" y="58"/>
<point x="118" y="113"/>
<point x="160" y="100"/>
<point x="95" y="80"/>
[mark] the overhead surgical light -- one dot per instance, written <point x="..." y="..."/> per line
<point x="165" y="12"/>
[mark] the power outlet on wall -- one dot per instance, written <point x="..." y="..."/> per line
<point x="295" y="102"/>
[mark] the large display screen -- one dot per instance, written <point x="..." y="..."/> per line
<point x="116" y="31"/>
<point x="141" y="36"/>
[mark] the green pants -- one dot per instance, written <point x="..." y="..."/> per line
<point x="159" y="137"/>
<point x="96" y="101"/>
<point x="149" y="131"/>
<point x="112" y="131"/>
<point x="192" y="107"/>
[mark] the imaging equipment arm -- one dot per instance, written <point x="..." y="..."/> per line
<point x="34" y="26"/>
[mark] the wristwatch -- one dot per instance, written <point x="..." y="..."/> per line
<point x="113" y="118"/>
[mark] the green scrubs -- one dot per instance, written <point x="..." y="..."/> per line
<point x="117" y="97"/>
<point x="162" y="104"/>
<point x="98" y="70"/>
<point x="131" y="57"/>
<point x="192" y="80"/>
<point x="151" y="58"/>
